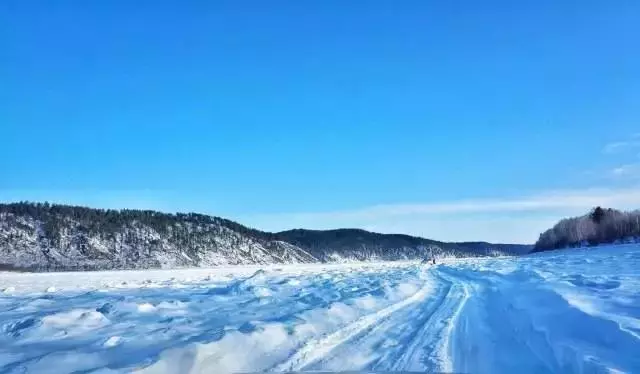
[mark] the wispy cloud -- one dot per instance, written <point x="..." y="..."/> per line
<point x="626" y="171"/>
<point x="545" y="201"/>
<point x="442" y="220"/>
<point x="621" y="146"/>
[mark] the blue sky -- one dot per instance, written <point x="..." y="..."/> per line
<point x="452" y="120"/>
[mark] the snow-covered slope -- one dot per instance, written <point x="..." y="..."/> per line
<point x="56" y="237"/>
<point x="24" y="244"/>
<point x="561" y="312"/>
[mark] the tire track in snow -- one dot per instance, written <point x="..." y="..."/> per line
<point x="416" y="338"/>
<point x="316" y="349"/>
<point x="386" y="342"/>
<point x="445" y="348"/>
<point x="424" y="351"/>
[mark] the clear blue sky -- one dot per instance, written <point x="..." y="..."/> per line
<point x="316" y="113"/>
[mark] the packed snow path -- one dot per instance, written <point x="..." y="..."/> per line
<point x="570" y="311"/>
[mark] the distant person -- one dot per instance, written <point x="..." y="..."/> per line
<point x="433" y="261"/>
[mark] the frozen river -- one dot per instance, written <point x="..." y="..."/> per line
<point x="566" y="311"/>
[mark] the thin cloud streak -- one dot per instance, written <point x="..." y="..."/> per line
<point x="628" y="170"/>
<point x="561" y="200"/>
<point x="518" y="220"/>
<point x="621" y="146"/>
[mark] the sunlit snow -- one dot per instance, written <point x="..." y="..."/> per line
<point x="566" y="311"/>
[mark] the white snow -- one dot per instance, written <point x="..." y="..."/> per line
<point x="568" y="311"/>
<point x="112" y="341"/>
<point x="146" y="308"/>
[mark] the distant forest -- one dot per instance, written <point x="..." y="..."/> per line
<point x="600" y="226"/>
<point x="45" y="236"/>
<point x="110" y="221"/>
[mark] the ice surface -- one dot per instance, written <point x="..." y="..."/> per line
<point x="566" y="311"/>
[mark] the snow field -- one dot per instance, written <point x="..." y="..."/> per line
<point x="568" y="311"/>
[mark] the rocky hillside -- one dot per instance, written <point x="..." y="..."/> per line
<point x="44" y="237"/>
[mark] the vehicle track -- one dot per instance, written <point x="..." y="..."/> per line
<point x="410" y="335"/>
<point x="316" y="349"/>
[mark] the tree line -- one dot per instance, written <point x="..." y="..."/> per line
<point x="193" y="232"/>
<point x="599" y="226"/>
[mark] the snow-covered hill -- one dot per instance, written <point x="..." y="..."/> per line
<point x="55" y="237"/>
<point x="25" y="243"/>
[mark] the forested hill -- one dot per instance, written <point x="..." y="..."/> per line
<point x="42" y="236"/>
<point x="511" y="249"/>
<point x="600" y="226"/>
